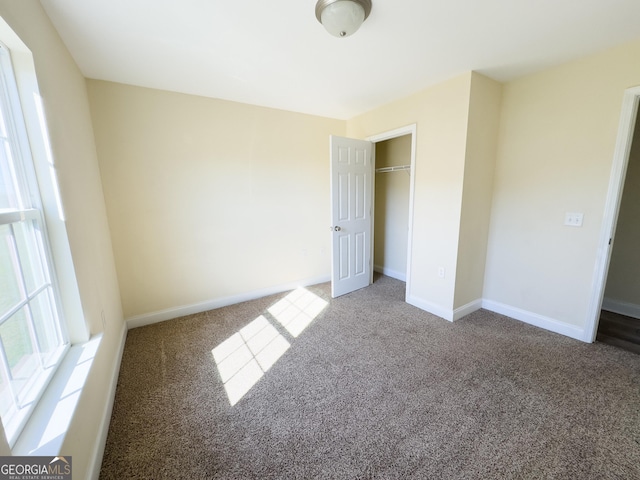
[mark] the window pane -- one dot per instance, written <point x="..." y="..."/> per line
<point x="44" y="320"/>
<point x="23" y="363"/>
<point x="10" y="278"/>
<point x="30" y="254"/>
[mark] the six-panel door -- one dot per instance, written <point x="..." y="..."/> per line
<point x="351" y="206"/>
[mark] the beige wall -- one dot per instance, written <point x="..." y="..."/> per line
<point x="441" y="114"/>
<point x="65" y="100"/>
<point x="555" y="151"/>
<point x="392" y="207"/>
<point x="457" y="125"/>
<point x="208" y="198"/>
<point x="482" y="138"/>
<point x="623" y="280"/>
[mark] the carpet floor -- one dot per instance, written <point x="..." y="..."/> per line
<point x="302" y="386"/>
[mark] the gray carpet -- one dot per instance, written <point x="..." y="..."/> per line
<point x="372" y="388"/>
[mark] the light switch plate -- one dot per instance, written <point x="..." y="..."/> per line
<point x="573" y="219"/>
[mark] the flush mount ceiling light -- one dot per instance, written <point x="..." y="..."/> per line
<point x="342" y="18"/>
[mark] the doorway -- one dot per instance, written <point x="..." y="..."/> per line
<point x="394" y="186"/>
<point x="341" y="158"/>
<point x="614" y="214"/>
<point x="620" y="315"/>
<point x="391" y="206"/>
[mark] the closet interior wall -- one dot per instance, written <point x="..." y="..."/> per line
<point x="391" y="221"/>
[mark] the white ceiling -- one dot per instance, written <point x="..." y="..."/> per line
<point x="276" y="54"/>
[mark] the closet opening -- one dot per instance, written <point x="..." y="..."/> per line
<point x="392" y="200"/>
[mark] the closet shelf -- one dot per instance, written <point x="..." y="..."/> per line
<point x="396" y="168"/>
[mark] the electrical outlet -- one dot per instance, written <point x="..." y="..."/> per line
<point x="441" y="272"/>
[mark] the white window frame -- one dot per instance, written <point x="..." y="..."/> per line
<point x="29" y="209"/>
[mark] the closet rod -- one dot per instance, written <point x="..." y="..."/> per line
<point x="396" y="168"/>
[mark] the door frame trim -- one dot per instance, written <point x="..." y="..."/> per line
<point x="624" y="139"/>
<point x="388" y="135"/>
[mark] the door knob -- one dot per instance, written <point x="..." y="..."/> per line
<point x="337" y="228"/>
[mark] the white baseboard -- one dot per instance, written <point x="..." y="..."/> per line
<point x="442" y="312"/>
<point x="623" y="308"/>
<point x="525" y="316"/>
<point x="465" y="310"/>
<point x="96" y="461"/>
<point x="437" y="310"/>
<point x="534" y="319"/>
<point x="402" y="276"/>
<point x="171" y="313"/>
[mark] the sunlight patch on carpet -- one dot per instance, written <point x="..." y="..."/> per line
<point x="297" y="310"/>
<point x="245" y="356"/>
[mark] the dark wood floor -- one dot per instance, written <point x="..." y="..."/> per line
<point x="619" y="330"/>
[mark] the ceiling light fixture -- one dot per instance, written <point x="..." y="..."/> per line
<point x="342" y="18"/>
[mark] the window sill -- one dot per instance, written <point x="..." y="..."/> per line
<point x="47" y="427"/>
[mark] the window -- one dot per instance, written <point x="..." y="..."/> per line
<point x="32" y="335"/>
